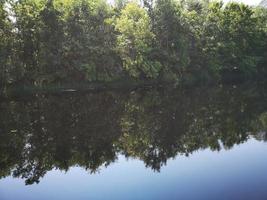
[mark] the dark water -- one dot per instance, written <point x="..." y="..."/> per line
<point x="189" y="144"/>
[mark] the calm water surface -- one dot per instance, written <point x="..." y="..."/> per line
<point x="189" y="144"/>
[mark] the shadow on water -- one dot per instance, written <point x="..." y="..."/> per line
<point x="41" y="132"/>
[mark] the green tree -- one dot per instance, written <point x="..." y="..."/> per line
<point x="171" y="35"/>
<point x="240" y="39"/>
<point x="135" y="41"/>
<point x="261" y="15"/>
<point x="90" y="42"/>
<point x="5" y="44"/>
<point x="67" y="41"/>
<point x="27" y="24"/>
<point x="50" y="39"/>
<point x="120" y="4"/>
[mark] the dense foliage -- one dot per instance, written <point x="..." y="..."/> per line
<point x="66" y="41"/>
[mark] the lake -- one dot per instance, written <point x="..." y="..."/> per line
<point x="155" y="143"/>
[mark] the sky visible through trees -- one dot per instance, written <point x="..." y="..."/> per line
<point x="249" y="2"/>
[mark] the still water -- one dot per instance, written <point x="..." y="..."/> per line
<point x="189" y="144"/>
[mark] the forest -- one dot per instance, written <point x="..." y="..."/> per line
<point x="46" y="42"/>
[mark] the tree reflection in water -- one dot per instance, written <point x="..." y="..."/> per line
<point x="41" y="132"/>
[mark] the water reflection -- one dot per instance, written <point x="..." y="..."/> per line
<point x="43" y="132"/>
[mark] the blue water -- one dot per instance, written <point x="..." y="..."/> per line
<point x="236" y="174"/>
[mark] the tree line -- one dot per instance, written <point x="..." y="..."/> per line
<point x="66" y="41"/>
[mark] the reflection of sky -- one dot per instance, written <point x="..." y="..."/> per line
<point x="249" y="2"/>
<point x="237" y="174"/>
